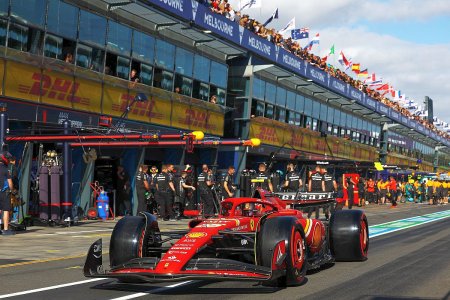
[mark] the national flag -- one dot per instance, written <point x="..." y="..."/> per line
<point x="272" y="17"/>
<point x="325" y="58"/>
<point x="315" y="40"/>
<point x="290" y="26"/>
<point x="397" y="94"/>
<point x="331" y="50"/>
<point x="298" y="34"/>
<point x="250" y="4"/>
<point x="384" y="87"/>
<point x="343" y="60"/>
<point x="356" y="68"/>
<point x="363" y="73"/>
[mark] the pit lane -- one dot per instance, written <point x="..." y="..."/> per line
<point x="411" y="263"/>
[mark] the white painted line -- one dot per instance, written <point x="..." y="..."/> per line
<point x="54" y="287"/>
<point x="72" y="232"/>
<point x="158" y="290"/>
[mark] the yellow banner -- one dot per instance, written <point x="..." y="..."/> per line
<point x="196" y="118"/>
<point x="22" y="81"/>
<point x="2" y="70"/>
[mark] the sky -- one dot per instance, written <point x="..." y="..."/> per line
<point x="405" y="42"/>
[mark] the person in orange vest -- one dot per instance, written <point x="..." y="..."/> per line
<point x="370" y="191"/>
<point x="392" y="190"/>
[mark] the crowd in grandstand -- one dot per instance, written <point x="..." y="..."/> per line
<point x="224" y="8"/>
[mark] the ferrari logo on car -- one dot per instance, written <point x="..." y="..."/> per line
<point x="252" y="224"/>
<point x="196" y="235"/>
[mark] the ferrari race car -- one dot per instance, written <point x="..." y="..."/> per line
<point x="255" y="239"/>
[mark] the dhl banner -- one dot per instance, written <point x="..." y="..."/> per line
<point x="57" y="88"/>
<point x="278" y="134"/>
<point x="22" y="81"/>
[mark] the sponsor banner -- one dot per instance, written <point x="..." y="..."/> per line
<point x="289" y="60"/>
<point x="338" y="86"/>
<point x="278" y="134"/>
<point x="383" y="109"/>
<point x="181" y="8"/>
<point x="22" y="81"/>
<point x="218" y="24"/>
<point x="90" y="92"/>
<point x="356" y="94"/>
<point x="395" y="115"/>
<point x="196" y="118"/>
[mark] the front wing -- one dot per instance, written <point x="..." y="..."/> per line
<point x="143" y="269"/>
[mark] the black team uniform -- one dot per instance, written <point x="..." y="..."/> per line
<point x="263" y="181"/>
<point x="293" y="179"/>
<point x="141" y="178"/>
<point x="229" y="180"/>
<point x="316" y="186"/>
<point x="163" y="195"/>
<point x="206" y="196"/>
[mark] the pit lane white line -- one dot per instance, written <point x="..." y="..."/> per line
<point x="50" y="288"/>
<point x="158" y="290"/>
<point x="72" y="232"/>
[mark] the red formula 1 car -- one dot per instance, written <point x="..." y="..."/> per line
<point x="256" y="239"/>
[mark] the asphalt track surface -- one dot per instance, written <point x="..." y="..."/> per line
<point x="408" y="264"/>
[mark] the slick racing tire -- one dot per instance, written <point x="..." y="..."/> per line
<point x="282" y="236"/>
<point x="131" y="238"/>
<point x="349" y="235"/>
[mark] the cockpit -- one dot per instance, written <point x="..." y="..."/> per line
<point x="245" y="209"/>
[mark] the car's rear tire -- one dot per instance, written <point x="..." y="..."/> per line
<point x="349" y="235"/>
<point x="273" y="231"/>
<point x="131" y="238"/>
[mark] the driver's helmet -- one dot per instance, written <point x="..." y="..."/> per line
<point x="249" y="209"/>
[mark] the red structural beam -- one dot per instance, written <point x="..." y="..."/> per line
<point x="77" y="138"/>
<point x="162" y="143"/>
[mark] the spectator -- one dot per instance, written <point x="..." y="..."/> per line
<point x="134" y="75"/>
<point x="69" y="58"/>
<point x="213" y="99"/>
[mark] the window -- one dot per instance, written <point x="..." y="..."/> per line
<point x="290" y="100"/>
<point x="29" y="11"/>
<point x="269" y="111"/>
<point x="297" y="121"/>
<point x="257" y="108"/>
<point x="4" y="7"/>
<point x="315" y="109"/>
<point x="18" y="37"/>
<point x="281" y="97"/>
<point x="280" y="114"/>
<point x="62" y="19"/>
<point x="220" y="94"/>
<point x="330" y="115"/>
<point x="337" y="117"/>
<point x="184" y="62"/>
<point x="164" y="54"/>
<point x="201" y="90"/>
<point x="308" y="107"/>
<point x="53" y="46"/>
<point x="270" y="92"/>
<point x="201" y="68"/>
<point x="146" y="74"/>
<point x="300" y="103"/>
<point x="83" y="58"/>
<point x="123" y="67"/>
<point x="258" y="88"/>
<point x="315" y="125"/>
<point x="163" y="79"/>
<point x="3" y="25"/>
<point x="119" y="38"/>
<point x="143" y="47"/>
<point x="93" y="29"/>
<point x="218" y="75"/>
<point x="308" y="122"/>
<point x="92" y="58"/>
<point x="290" y="117"/>
<point x="183" y="84"/>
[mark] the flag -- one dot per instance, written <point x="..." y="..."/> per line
<point x="250" y="4"/>
<point x="324" y="59"/>
<point x="331" y="50"/>
<point x="356" y="68"/>
<point x="363" y="73"/>
<point x="384" y="87"/>
<point x="397" y="94"/>
<point x="315" y="40"/>
<point x="343" y="60"/>
<point x="272" y="17"/>
<point x="298" y="34"/>
<point x="290" y="26"/>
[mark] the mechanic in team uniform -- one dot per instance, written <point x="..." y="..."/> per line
<point x="164" y="192"/>
<point x="262" y="179"/>
<point x="330" y="186"/>
<point x="205" y="183"/>
<point x="142" y="187"/>
<point x="185" y="192"/>
<point x="316" y="182"/>
<point x="292" y="180"/>
<point x="152" y="206"/>
<point x="5" y="203"/>
<point x="228" y="189"/>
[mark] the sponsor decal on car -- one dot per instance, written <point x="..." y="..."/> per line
<point x="214" y="225"/>
<point x="252" y="224"/>
<point x="196" y="235"/>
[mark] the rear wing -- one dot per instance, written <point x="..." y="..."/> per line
<point x="307" y="199"/>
